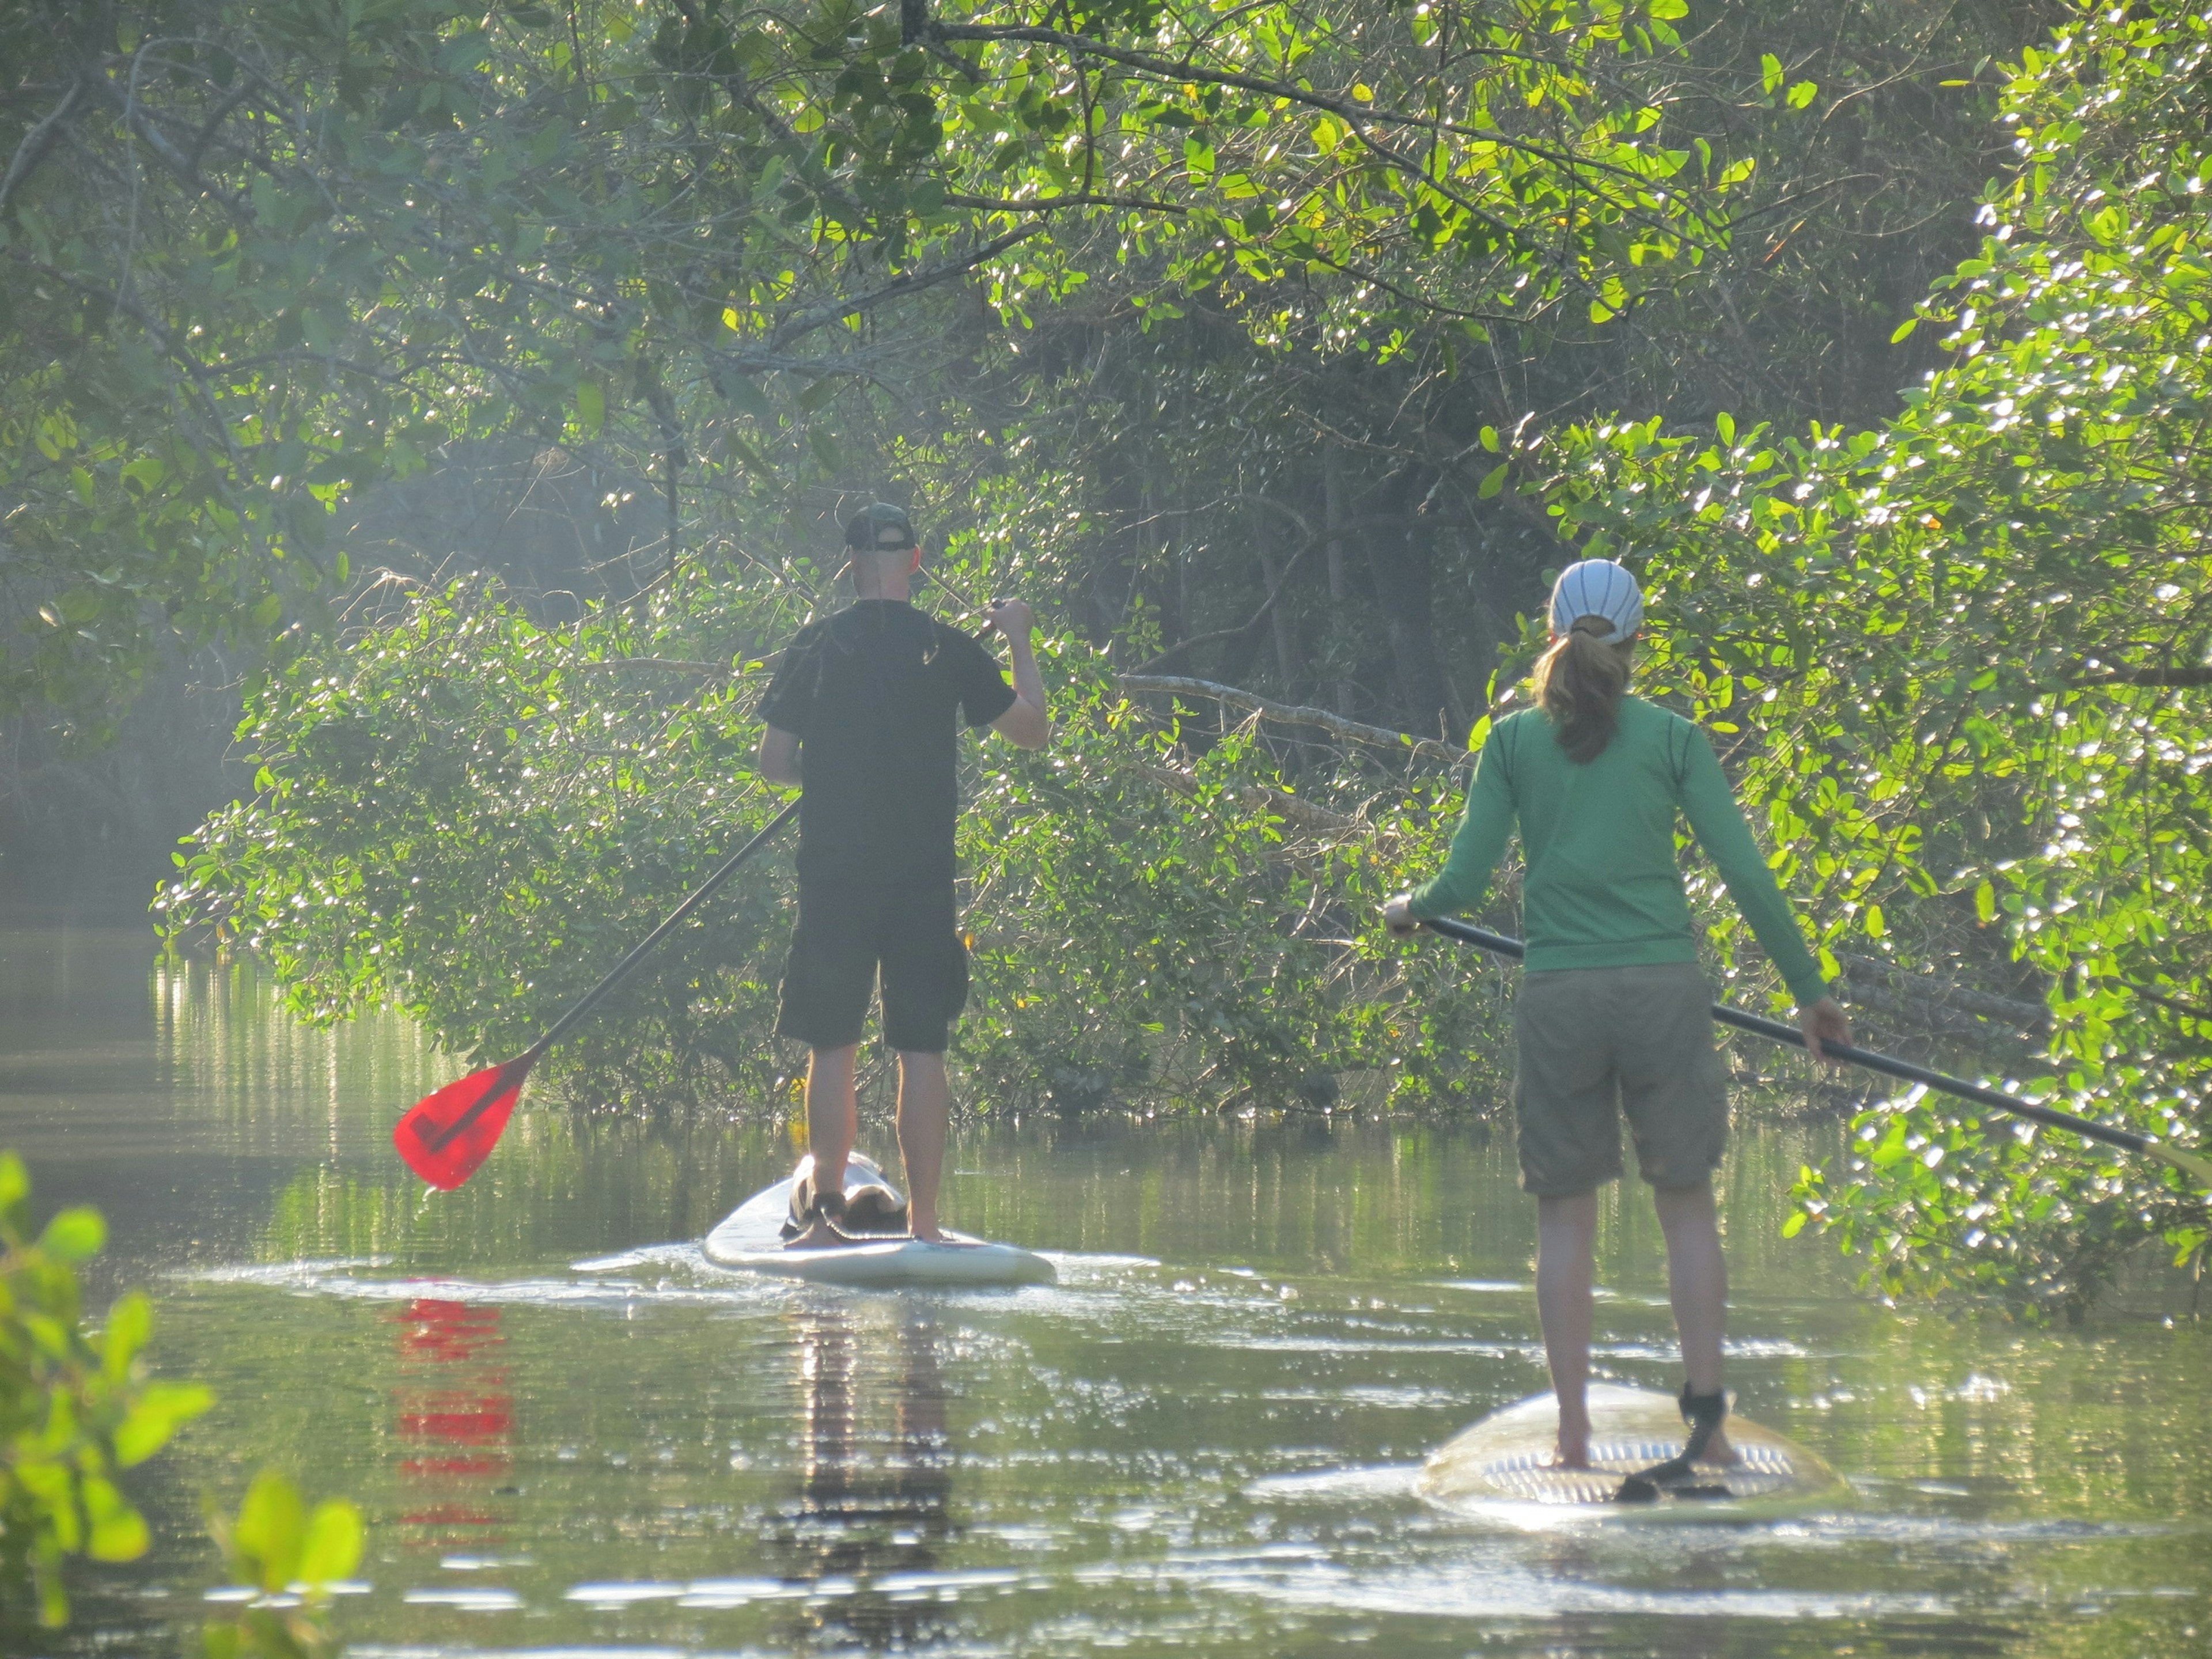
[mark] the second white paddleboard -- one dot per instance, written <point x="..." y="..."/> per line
<point x="1504" y="1461"/>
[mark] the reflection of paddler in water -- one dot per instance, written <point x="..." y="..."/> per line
<point x="455" y="1422"/>
<point x="875" y="1469"/>
<point x="1613" y="1016"/>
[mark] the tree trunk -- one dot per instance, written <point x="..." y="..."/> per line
<point x="1399" y="561"/>
<point x="1279" y="622"/>
<point x="1333" y="514"/>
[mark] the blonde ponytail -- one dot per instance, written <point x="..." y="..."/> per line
<point x="1580" y="682"/>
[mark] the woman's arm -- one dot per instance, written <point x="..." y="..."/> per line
<point x="1477" y="845"/>
<point x="1717" y="822"/>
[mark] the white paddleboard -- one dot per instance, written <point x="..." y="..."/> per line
<point x="1502" y="1462"/>
<point x="751" y="1238"/>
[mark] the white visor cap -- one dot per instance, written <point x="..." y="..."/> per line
<point x="1597" y="587"/>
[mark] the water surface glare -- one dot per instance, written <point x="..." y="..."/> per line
<point x="572" y="1435"/>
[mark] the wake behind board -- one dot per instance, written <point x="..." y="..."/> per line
<point x="1502" y="1462"/>
<point x="751" y="1238"/>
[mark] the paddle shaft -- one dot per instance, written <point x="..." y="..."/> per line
<point x="644" y="947"/>
<point x="1499" y="944"/>
<point x="623" y="970"/>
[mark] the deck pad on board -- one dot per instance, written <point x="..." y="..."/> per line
<point x="750" y="1237"/>
<point x="1504" y="1459"/>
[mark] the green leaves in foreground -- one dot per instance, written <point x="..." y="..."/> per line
<point x="290" y="1558"/>
<point x="76" y="1408"/>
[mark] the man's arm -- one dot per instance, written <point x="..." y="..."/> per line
<point x="1026" y="723"/>
<point x="777" y="759"/>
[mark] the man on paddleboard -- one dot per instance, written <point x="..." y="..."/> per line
<point x="866" y="711"/>
<point x="1614" y="1015"/>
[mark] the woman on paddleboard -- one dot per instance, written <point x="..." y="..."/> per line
<point x="1614" y="1015"/>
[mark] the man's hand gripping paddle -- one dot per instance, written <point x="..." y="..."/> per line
<point x="446" y="1136"/>
<point x="2197" y="1169"/>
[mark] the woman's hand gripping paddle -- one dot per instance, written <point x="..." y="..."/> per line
<point x="2197" y="1169"/>
<point x="446" y="1136"/>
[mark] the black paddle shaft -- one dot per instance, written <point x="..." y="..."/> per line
<point x="1499" y="944"/>
<point x="623" y="970"/>
<point x="521" y="1063"/>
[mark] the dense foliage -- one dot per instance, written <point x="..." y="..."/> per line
<point x="1276" y="345"/>
<point x="264" y="254"/>
<point x="471" y="815"/>
<point x="76" y="1407"/>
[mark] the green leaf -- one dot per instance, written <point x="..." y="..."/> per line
<point x="1770" y="72"/>
<point x="155" y="1415"/>
<point x="334" y="1543"/>
<point x="130" y="1322"/>
<point x="269" y="613"/>
<point x="590" y="407"/>
<point x="117" y="1531"/>
<point x="74" y="1236"/>
<point x="1493" y="481"/>
<point x="1985" y="903"/>
<point x="1803" y="93"/>
<point x="1903" y="330"/>
<point x="272" y="1530"/>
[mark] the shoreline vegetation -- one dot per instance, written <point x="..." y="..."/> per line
<point x="1278" y="356"/>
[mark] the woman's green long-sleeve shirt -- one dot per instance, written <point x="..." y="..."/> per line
<point x="1603" y="889"/>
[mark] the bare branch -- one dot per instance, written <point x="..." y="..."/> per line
<point x="1374" y="737"/>
<point x="2172" y="676"/>
<point x="37" y="142"/>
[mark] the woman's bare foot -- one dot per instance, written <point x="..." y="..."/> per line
<point x="1571" y="1451"/>
<point x="820" y="1235"/>
<point x="1717" y="1451"/>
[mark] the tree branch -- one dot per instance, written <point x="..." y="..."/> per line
<point x="1373" y="737"/>
<point x="898" y="288"/>
<point x="1053" y="203"/>
<point x="2186" y="1009"/>
<point x="37" y="142"/>
<point x="1939" y="993"/>
<point x="2174" y="677"/>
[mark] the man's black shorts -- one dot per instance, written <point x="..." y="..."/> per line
<point x="845" y="931"/>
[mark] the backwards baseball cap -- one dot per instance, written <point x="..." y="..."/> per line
<point x="1597" y="587"/>
<point x="879" y="525"/>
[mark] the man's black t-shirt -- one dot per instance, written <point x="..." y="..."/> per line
<point x="878" y="694"/>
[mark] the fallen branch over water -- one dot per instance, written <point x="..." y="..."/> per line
<point x="1349" y="730"/>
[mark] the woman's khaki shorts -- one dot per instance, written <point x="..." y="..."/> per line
<point x="1597" y="1042"/>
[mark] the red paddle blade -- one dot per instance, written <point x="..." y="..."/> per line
<point x="448" y="1135"/>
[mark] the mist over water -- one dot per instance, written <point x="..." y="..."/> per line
<point x="569" y="1432"/>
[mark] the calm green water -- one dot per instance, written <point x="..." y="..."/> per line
<point x="1202" y="1439"/>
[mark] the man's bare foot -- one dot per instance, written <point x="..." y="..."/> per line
<point x="1571" y="1451"/>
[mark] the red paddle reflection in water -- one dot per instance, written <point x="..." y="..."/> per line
<point x="456" y="1419"/>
